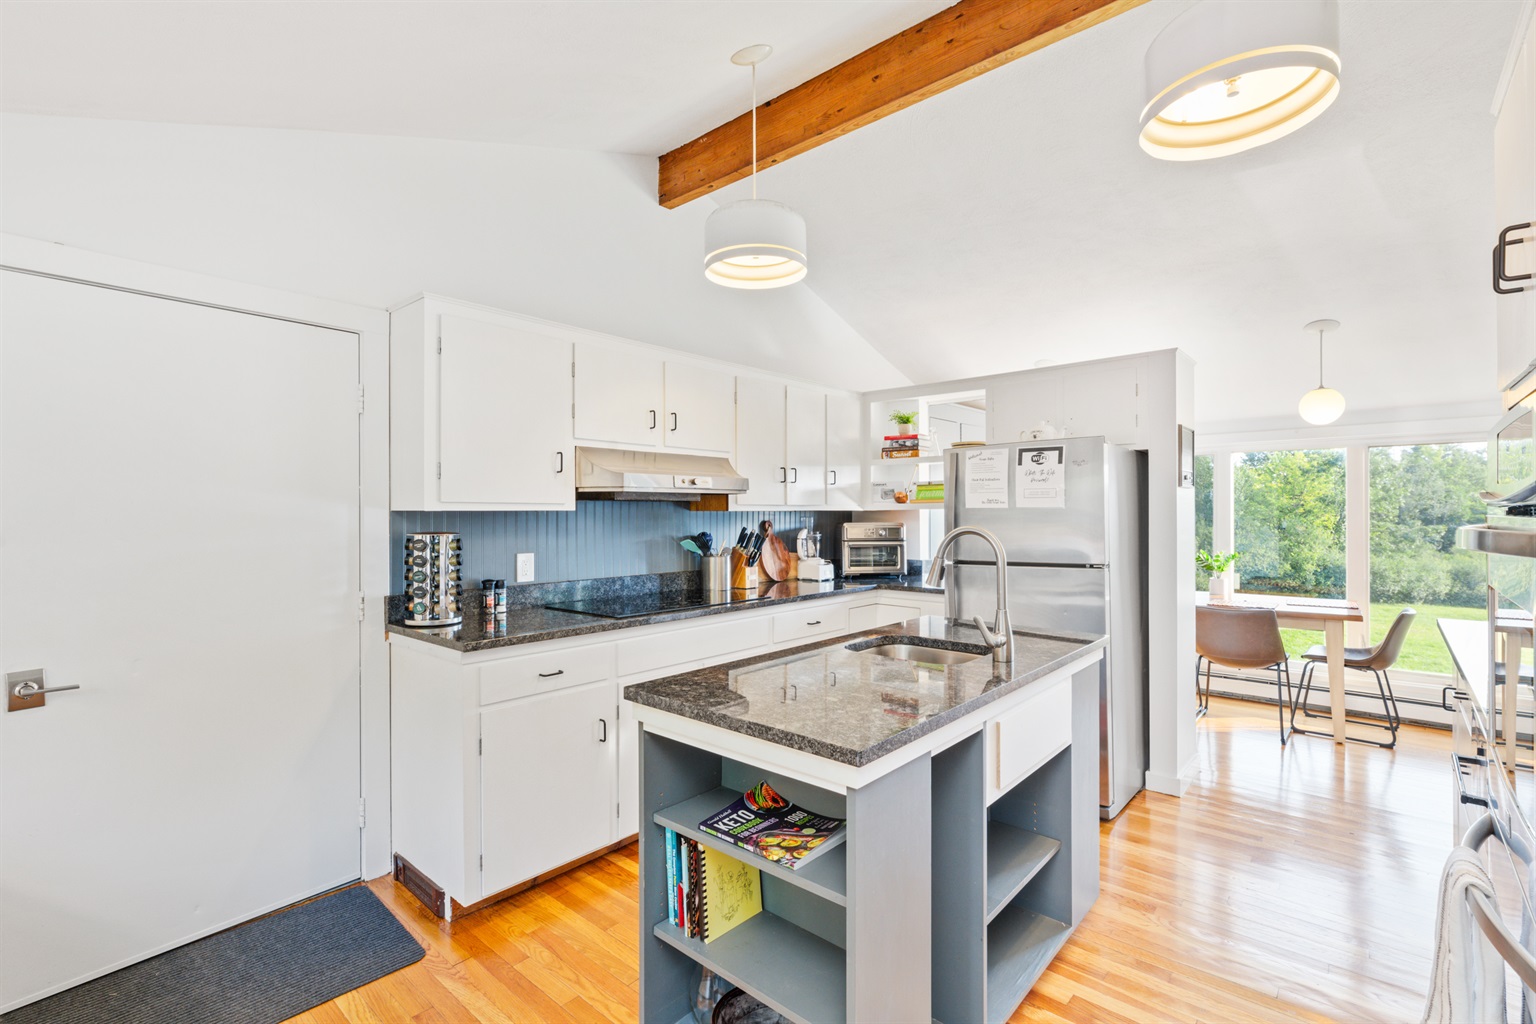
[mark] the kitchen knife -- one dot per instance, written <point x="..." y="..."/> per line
<point x="741" y="541"/>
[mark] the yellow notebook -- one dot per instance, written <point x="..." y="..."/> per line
<point x="733" y="893"/>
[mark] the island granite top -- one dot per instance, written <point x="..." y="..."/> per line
<point x="532" y="623"/>
<point x="839" y="700"/>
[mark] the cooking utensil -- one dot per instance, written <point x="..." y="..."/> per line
<point x="741" y="541"/>
<point x="706" y="542"/>
<point x="689" y="545"/>
<point x="774" y="557"/>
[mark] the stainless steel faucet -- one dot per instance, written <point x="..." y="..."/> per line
<point x="1000" y="636"/>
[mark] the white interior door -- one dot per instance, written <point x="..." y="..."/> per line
<point x="179" y="537"/>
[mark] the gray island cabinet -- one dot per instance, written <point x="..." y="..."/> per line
<point x="971" y="795"/>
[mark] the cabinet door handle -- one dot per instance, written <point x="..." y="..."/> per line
<point x="816" y="623"/>
<point x="833" y="474"/>
<point x="604" y="723"/>
<point x="674" y="421"/>
<point x="794" y="474"/>
<point x="653" y="419"/>
<point x="783" y="475"/>
<point x="551" y="675"/>
<point x="559" y="462"/>
<point x="1499" y="277"/>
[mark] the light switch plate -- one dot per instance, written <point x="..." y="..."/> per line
<point x="525" y="567"/>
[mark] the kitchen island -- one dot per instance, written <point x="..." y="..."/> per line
<point x="971" y="797"/>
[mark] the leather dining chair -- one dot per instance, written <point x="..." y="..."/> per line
<point x="1375" y="660"/>
<point x="1242" y="638"/>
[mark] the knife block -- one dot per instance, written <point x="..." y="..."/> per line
<point x="743" y="576"/>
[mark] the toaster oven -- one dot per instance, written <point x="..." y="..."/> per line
<point x="874" y="549"/>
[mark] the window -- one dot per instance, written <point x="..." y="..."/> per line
<point x="1289" y="519"/>
<point x="1419" y="495"/>
<point x="1204" y="509"/>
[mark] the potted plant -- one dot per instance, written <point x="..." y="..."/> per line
<point x="1217" y="564"/>
<point x="906" y="422"/>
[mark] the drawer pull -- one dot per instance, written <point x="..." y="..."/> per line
<point x="816" y="623"/>
<point x="551" y="675"/>
<point x="604" y="723"/>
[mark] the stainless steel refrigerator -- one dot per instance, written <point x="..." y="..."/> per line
<point x="1070" y="514"/>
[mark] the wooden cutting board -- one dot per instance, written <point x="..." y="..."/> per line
<point x="775" y="558"/>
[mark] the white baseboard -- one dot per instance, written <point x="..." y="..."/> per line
<point x="1172" y="785"/>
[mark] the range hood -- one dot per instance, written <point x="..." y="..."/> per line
<point x="609" y="473"/>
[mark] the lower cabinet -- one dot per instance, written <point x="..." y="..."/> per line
<point x="508" y="766"/>
<point x="547" y="781"/>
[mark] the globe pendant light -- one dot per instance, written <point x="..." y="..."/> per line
<point x="1224" y="77"/>
<point x="754" y="243"/>
<point x="1321" y="405"/>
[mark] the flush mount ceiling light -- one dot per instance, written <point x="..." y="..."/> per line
<point x="754" y="243"/>
<point x="1321" y="405"/>
<point x="1224" y="77"/>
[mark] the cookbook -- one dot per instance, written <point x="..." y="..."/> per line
<point x="764" y="822"/>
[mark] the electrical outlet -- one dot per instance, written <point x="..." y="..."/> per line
<point x="525" y="567"/>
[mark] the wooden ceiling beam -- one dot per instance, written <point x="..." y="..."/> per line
<point x="954" y="46"/>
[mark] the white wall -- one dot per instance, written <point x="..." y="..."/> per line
<point x="570" y="236"/>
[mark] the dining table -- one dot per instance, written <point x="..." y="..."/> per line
<point x="1326" y="615"/>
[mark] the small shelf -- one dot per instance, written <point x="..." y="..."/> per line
<point x="1014" y="856"/>
<point x="796" y="973"/>
<point x="1020" y="945"/>
<point x="826" y="876"/>
<point x="921" y="460"/>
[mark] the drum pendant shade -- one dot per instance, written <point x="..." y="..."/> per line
<point x="754" y="243"/>
<point x="1225" y="77"/>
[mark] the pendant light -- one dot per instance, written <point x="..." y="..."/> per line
<point x="1224" y="77"/>
<point x="754" y="243"/>
<point x="1321" y="405"/>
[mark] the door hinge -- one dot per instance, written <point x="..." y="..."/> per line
<point x="439" y="470"/>
<point x="362" y="606"/>
<point x="573" y="369"/>
<point x="480" y="746"/>
<point x="439" y="344"/>
<point x="615" y="810"/>
<point x="361" y="394"/>
<point x="482" y="862"/>
<point x="362" y="813"/>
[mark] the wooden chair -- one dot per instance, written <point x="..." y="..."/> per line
<point x="1242" y="638"/>
<point x="1375" y="660"/>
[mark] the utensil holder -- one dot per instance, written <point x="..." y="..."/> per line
<point x="743" y="576"/>
<point x="716" y="573"/>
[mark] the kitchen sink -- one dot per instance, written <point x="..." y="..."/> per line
<point x="918" y="652"/>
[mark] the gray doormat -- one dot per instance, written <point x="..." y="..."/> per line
<point x="265" y="971"/>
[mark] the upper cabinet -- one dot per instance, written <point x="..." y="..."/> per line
<point x="480" y="410"/>
<point x="635" y="398"/>
<point x="781" y="444"/>
<point x="701" y="408"/>
<point x="619" y="395"/>
<point x="1514" y="202"/>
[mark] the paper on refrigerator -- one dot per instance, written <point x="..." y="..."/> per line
<point x="986" y="478"/>
<point x="1040" y="481"/>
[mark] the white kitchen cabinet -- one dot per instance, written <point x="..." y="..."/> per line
<point x="1514" y="200"/>
<point x="700" y="413"/>
<point x="480" y="410"/>
<point x="547" y="778"/>
<point x="619" y="395"/>
<point x="781" y="444"/>
<point x="760" y="453"/>
<point x="883" y="613"/>
<point x="805" y="445"/>
<point x="845" y="451"/>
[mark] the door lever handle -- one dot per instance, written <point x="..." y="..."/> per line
<point x="31" y="689"/>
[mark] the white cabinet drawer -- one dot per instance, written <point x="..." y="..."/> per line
<point x="539" y="673"/>
<point x="1021" y="740"/>
<point x="813" y="619"/>
<point x="718" y="641"/>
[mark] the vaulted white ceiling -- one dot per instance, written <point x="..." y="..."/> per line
<point x="1009" y="220"/>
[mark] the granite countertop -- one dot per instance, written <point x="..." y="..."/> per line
<point x="533" y="623"/>
<point x="839" y="700"/>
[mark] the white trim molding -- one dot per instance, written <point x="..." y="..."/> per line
<point x="1434" y="424"/>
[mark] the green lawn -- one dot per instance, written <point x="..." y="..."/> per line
<point x="1423" y="651"/>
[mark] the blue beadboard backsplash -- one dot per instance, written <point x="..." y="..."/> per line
<point x="600" y="538"/>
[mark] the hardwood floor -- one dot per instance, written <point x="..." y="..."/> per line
<point x="1293" y="884"/>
